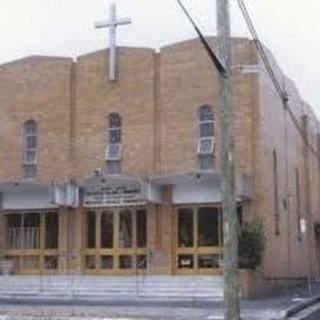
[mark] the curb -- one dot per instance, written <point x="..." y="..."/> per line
<point x="102" y="301"/>
<point x="291" y="311"/>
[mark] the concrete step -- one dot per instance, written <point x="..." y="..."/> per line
<point x="168" y="288"/>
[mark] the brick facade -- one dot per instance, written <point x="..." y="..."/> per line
<point x="158" y="96"/>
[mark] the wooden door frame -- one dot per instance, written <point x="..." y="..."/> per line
<point x="116" y="251"/>
<point x="41" y="252"/>
<point x="195" y="250"/>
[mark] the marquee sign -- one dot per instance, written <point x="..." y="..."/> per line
<point x="111" y="196"/>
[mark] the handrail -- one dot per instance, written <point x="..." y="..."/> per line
<point x="143" y="271"/>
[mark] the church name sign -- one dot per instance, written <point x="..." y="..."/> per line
<point x="110" y="196"/>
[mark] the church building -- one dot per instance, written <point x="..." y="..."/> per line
<point x="122" y="176"/>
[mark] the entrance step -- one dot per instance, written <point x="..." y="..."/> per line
<point x="149" y="287"/>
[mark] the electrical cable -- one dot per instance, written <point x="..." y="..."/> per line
<point x="212" y="55"/>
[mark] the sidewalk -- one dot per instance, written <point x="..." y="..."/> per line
<point x="262" y="309"/>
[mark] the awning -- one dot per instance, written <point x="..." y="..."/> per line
<point x="25" y="196"/>
<point x="194" y="177"/>
<point x="201" y="186"/>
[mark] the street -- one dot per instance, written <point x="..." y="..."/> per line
<point x="314" y="316"/>
<point x="311" y="313"/>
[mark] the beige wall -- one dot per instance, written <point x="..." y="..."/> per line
<point x="132" y="97"/>
<point x="35" y="88"/>
<point x="286" y="256"/>
<point x="188" y="80"/>
<point x="157" y="95"/>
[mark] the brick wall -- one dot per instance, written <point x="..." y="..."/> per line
<point x="158" y="96"/>
<point x="35" y="88"/>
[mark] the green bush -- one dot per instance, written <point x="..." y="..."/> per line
<point x="251" y="244"/>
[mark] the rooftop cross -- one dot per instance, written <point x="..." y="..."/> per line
<point x="112" y="24"/>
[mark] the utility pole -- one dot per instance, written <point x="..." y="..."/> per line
<point x="230" y="219"/>
<point x="222" y="64"/>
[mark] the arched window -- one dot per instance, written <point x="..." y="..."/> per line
<point x="276" y="192"/>
<point x="30" y="146"/>
<point x="113" y="152"/>
<point x="206" y="121"/>
<point x="206" y="137"/>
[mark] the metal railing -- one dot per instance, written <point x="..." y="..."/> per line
<point x="142" y="270"/>
<point x="23" y="238"/>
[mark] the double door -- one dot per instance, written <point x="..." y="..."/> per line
<point x="198" y="240"/>
<point x="116" y="241"/>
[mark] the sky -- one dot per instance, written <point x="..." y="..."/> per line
<point x="289" y="28"/>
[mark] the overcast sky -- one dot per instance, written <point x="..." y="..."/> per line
<point x="290" y="28"/>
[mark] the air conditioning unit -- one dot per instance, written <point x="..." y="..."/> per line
<point x="113" y="151"/>
<point x="206" y="146"/>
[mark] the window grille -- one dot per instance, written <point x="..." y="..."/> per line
<point x="205" y="148"/>
<point x="30" y="146"/>
<point x="113" y="167"/>
<point x="206" y="121"/>
<point x="206" y="162"/>
<point x="114" y="147"/>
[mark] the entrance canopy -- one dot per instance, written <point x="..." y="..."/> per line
<point x="25" y="196"/>
<point x="201" y="187"/>
<point x="102" y="190"/>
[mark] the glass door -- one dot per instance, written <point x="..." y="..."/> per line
<point x="198" y="240"/>
<point x="116" y="241"/>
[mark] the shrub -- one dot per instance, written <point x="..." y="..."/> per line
<point x="251" y="244"/>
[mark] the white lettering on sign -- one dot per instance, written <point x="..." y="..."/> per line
<point x="105" y="196"/>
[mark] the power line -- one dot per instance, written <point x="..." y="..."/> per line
<point x="213" y="57"/>
<point x="282" y="93"/>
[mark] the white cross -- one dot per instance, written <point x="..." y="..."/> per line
<point x="112" y="25"/>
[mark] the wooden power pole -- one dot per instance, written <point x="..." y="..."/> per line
<point x="222" y="64"/>
<point x="230" y="219"/>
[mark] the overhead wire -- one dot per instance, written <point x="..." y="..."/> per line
<point x="220" y="67"/>
<point x="282" y="93"/>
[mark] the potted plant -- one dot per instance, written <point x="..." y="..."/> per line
<point x="251" y="244"/>
<point x="251" y="248"/>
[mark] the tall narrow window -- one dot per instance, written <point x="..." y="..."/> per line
<point x="185" y="228"/>
<point x="125" y="229"/>
<point x="206" y="137"/>
<point x="107" y="229"/>
<point x="91" y="229"/>
<point x="276" y="193"/>
<point x="30" y="146"/>
<point x="31" y="231"/>
<point x="208" y="227"/>
<point x="298" y="205"/>
<point x="51" y="230"/>
<point x="141" y="228"/>
<point x="113" y="151"/>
